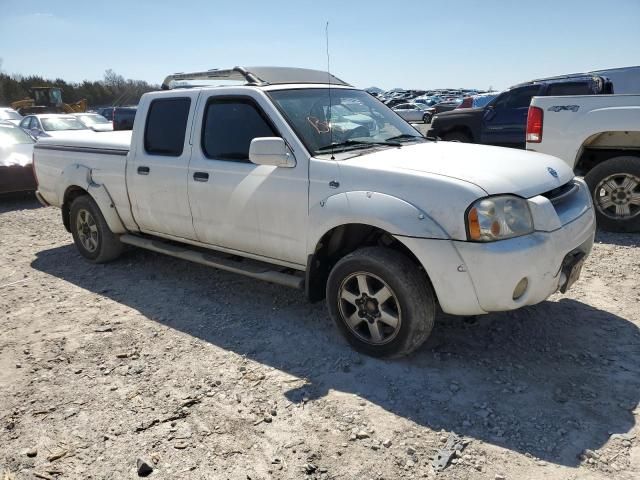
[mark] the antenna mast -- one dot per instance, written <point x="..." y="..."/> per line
<point x="326" y="32"/>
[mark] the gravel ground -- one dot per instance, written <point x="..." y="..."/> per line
<point x="206" y="374"/>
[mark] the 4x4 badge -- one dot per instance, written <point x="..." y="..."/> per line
<point x="553" y="173"/>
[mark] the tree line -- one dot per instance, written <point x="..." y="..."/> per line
<point x="113" y="89"/>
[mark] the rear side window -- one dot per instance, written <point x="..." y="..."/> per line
<point x="569" y="88"/>
<point x="166" y="126"/>
<point x="230" y="125"/>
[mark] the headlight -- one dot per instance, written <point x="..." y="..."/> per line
<point x="497" y="218"/>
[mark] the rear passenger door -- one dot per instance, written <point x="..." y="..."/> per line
<point x="505" y="120"/>
<point x="157" y="172"/>
<point x="236" y="204"/>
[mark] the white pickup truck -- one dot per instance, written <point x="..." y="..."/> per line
<point x="599" y="137"/>
<point x="269" y="179"/>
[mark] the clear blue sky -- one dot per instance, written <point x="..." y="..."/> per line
<point x="456" y="43"/>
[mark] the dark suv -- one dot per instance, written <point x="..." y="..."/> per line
<point x="503" y="120"/>
<point x="121" y="117"/>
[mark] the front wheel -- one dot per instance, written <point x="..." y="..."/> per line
<point x="381" y="302"/>
<point x="615" y="187"/>
<point x="91" y="234"/>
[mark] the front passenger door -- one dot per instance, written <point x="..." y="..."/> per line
<point x="236" y="204"/>
<point x="505" y="119"/>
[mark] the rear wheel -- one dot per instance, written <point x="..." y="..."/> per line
<point x="615" y="187"/>
<point x="91" y="234"/>
<point x="381" y="302"/>
<point x="426" y="118"/>
<point x="457" y="137"/>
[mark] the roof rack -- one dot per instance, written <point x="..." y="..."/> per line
<point x="259" y="76"/>
<point x="570" y="76"/>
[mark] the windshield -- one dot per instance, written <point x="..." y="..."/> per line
<point x="53" y="124"/>
<point x="9" y="115"/>
<point x="357" y="119"/>
<point x="10" y="135"/>
<point x="96" y="119"/>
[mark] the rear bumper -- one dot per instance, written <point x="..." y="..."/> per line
<point x="41" y="199"/>
<point x="16" y="178"/>
<point x="475" y="278"/>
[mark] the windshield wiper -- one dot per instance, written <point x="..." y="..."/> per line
<point x="357" y="144"/>
<point x="405" y="136"/>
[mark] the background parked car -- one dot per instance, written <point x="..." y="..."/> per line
<point x="16" y="154"/>
<point x="10" y="115"/>
<point x="477" y="101"/>
<point x="50" y="125"/>
<point x="413" y="112"/>
<point x="95" y="122"/>
<point x="447" y="105"/>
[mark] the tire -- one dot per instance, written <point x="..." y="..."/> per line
<point x="615" y="188"/>
<point x="91" y="234"/>
<point x="457" y="137"/>
<point x="426" y="118"/>
<point x="408" y="297"/>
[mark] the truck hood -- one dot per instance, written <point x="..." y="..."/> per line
<point x="494" y="169"/>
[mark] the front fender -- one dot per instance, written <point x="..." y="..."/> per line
<point x="76" y="175"/>
<point x="380" y="210"/>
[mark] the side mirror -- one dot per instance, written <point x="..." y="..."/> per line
<point x="271" y="151"/>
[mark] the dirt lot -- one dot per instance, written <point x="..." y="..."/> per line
<point x="206" y="374"/>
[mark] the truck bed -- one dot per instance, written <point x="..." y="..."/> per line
<point x="118" y="140"/>
<point x="90" y="158"/>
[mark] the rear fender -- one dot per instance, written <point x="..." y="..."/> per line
<point x="80" y="176"/>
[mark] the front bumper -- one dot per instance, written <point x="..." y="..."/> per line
<point x="474" y="278"/>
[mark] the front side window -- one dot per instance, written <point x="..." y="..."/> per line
<point x="229" y="126"/>
<point x="26" y="123"/>
<point x="166" y="126"/>
<point x="521" y="97"/>
<point x="362" y="121"/>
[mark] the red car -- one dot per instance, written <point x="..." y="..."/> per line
<point x="16" y="157"/>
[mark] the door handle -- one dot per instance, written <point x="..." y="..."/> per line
<point x="143" y="170"/>
<point x="201" y="176"/>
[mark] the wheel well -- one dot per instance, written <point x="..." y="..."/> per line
<point x="590" y="157"/>
<point x="70" y="195"/>
<point x="339" y="242"/>
<point x="462" y="129"/>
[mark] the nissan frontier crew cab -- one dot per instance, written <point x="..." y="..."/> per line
<point x="295" y="177"/>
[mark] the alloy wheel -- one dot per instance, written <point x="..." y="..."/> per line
<point x="369" y="308"/>
<point x="618" y="196"/>
<point x="87" y="230"/>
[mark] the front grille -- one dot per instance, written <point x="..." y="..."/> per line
<point x="562" y="193"/>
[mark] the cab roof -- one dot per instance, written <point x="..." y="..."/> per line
<point x="255" y="76"/>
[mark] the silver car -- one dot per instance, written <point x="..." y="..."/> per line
<point x="95" y="122"/>
<point x="413" y="112"/>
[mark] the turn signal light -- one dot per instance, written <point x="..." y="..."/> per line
<point x="474" y="224"/>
